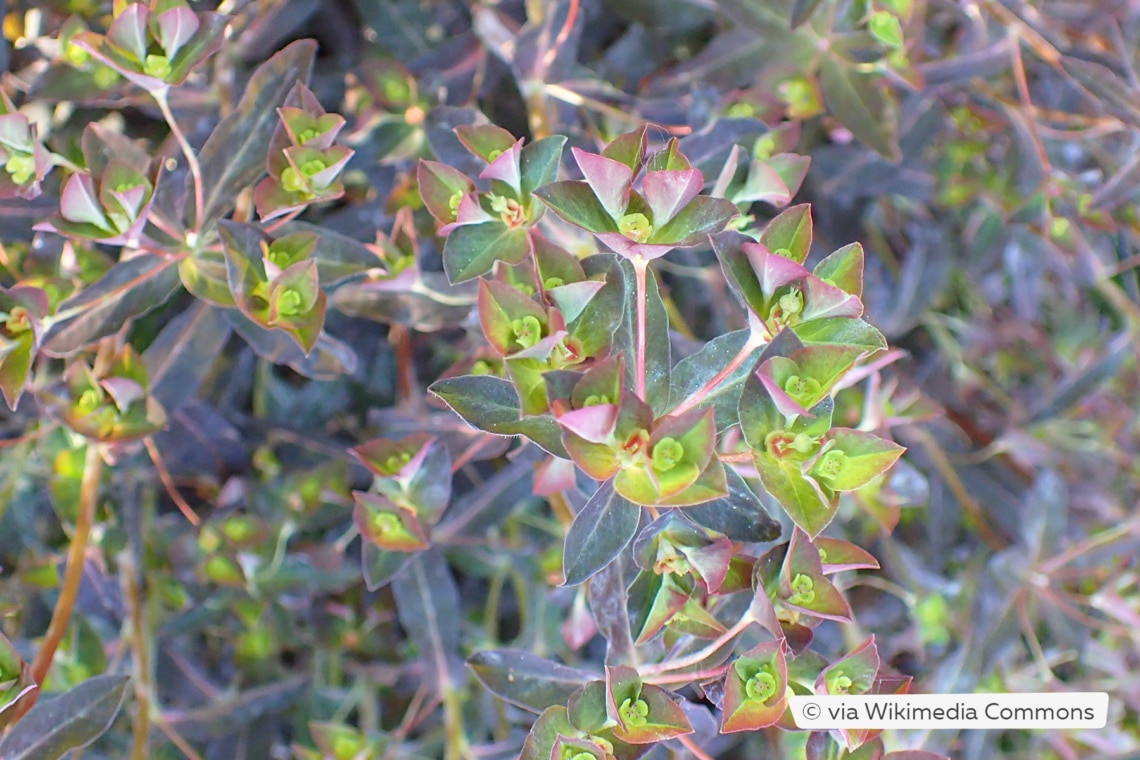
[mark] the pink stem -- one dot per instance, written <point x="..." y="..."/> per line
<point x="698" y="395"/>
<point x="640" y="266"/>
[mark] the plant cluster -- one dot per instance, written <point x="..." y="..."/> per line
<point x="524" y="379"/>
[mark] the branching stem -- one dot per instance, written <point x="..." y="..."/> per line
<point x="700" y="656"/>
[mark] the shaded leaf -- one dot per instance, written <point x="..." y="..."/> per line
<point x="525" y="679"/>
<point x="492" y="405"/>
<point x="427" y="603"/>
<point x="600" y="531"/>
<point x="69" y="721"/>
<point x="472" y="249"/>
<point x="183" y="354"/>
<point x="128" y="289"/>
<point x="861" y="104"/>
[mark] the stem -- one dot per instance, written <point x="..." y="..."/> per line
<point x="73" y="574"/>
<point x="694" y="750"/>
<point x="700" y="656"/>
<point x="191" y="158"/>
<point x="640" y="266"/>
<point x="692" y="675"/>
<point x="754" y="342"/>
<point x="132" y="595"/>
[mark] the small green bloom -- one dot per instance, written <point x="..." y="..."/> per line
<point x="292" y="181"/>
<point x="802" y="390"/>
<point x="18" y="321"/>
<point x="791" y="303"/>
<point x="346" y="747"/>
<point x="666" y="454"/>
<point x="454" y="200"/>
<point x="838" y="683"/>
<point x="636" y="227"/>
<point x="395" y="88"/>
<point x="761" y="686"/>
<point x="21" y="167"/>
<point x="105" y="77"/>
<point x="307" y="135"/>
<point x="289" y="303"/>
<point x="88" y="401"/>
<point x="573" y="753"/>
<point x="763" y="149"/>
<point x="552" y="282"/>
<point x="76" y="55"/>
<point x="396" y="462"/>
<point x="385" y="523"/>
<point x="740" y="110"/>
<point x="830" y="465"/>
<point x="596" y="400"/>
<point x="157" y="66"/>
<point x="634" y="712"/>
<point x="481" y="368"/>
<point x="804" y="590"/>
<point x="527" y="330"/>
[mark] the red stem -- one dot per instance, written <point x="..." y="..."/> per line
<point x="640" y="266"/>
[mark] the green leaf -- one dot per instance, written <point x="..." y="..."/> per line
<point x="576" y="203"/>
<point x="539" y="162"/>
<point x="860" y="102"/>
<point x="471" y="250"/>
<point x="599" y="532"/>
<point x="701" y="217"/>
<point x="441" y="187"/>
<point x="841" y="331"/>
<point x="525" y="679"/>
<point x="739" y="514"/>
<point x="491" y="404"/>
<point x="657" y="349"/>
<point x="70" y="721"/>
<point x="799" y="496"/>
<point x="128" y="289"/>
<point x="864" y="457"/>
<point x="692" y="372"/>
<point x="234" y="154"/>
<point x="790" y="231"/>
<point x="802" y="11"/>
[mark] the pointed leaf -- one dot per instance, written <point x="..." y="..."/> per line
<point x="525" y="679"/>
<point x="70" y="721"/>
<point x="491" y="404"/>
<point x="234" y="154"/>
<point x="861" y="103"/>
<point x="471" y="250"/>
<point x="603" y="528"/>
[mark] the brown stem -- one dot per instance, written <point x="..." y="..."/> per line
<point x="73" y="574"/>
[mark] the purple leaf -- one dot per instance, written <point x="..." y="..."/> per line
<point x="128" y="31"/>
<point x="505" y="167"/>
<point x="175" y="28"/>
<point x="79" y="202"/>
<point x="667" y="192"/>
<point x="610" y="180"/>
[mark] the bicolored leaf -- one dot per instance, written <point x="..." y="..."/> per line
<point x="599" y="532"/>
<point x="472" y="250"/>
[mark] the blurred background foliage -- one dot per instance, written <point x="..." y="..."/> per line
<point x="986" y="154"/>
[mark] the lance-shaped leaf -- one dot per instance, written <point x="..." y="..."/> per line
<point x="428" y="606"/>
<point x="850" y="459"/>
<point x="539" y="163"/>
<point x="492" y="405"/>
<point x="576" y="203"/>
<point x="525" y="679"/>
<point x="798" y="495"/>
<point x="645" y="713"/>
<point x="860" y="101"/>
<point x="756" y="688"/>
<point x="70" y="721"/>
<point x="599" y="532"/>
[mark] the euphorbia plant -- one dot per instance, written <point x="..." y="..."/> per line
<point x="654" y="436"/>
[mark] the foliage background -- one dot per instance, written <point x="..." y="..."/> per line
<point x="991" y="177"/>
